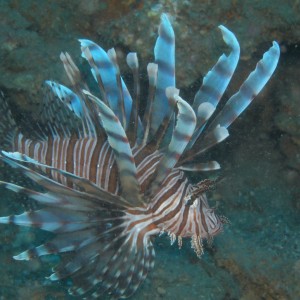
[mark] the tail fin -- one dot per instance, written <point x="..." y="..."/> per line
<point x="8" y="126"/>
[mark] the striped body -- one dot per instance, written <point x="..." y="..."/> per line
<point x="82" y="157"/>
<point x="112" y="178"/>
<point x="85" y="158"/>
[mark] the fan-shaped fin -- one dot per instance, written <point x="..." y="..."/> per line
<point x="92" y="192"/>
<point x="105" y="244"/>
<point x="139" y="274"/>
<point x="119" y="269"/>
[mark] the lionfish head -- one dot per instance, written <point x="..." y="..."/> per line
<point x="214" y="222"/>
<point x="208" y="222"/>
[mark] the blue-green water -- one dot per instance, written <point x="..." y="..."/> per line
<point x="258" y="254"/>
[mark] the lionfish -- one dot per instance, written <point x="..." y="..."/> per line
<point x="112" y="178"/>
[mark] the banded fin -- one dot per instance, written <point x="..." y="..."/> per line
<point x="164" y="52"/>
<point x="67" y="97"/>
<point x="204" y="112"/>
<point x="200" y="167"/>
<point x="117" y="266"/>
<point x="89" y="111"/>
<point x="77" y="105"/>
<point x="61" y="110"/>
<point x="249" y="89"/>
<point x="53" y="199"/>
<point x="185" y="125"/>
<point x="64" y="242"/>
<point x="216" y="131"/>
<point x="86" y="234"/>
<point x="122" y="273"/>
<point x="213" y="137"/>
<point x="133" y="63"/>
<point x="119" y="143"/>
<point x="91" y="191"/>
<point x="93" y="239"/>
<point x="104" y="69"/>
<point x="215" y="83"/>
<point x="113" y="58"/>
<point x="56" y="220"/>
<point x="141" y="270"/>
<point x="71" y="70"/>
<point x="152" y="76"/>
<point x="83" y="260"/>
<point x="96" y="241"/>
<point x="218" y="135"/>
<point x="163" y="135"/>
<point x="217" y="79"/>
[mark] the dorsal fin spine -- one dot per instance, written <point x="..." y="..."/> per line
<point x="133" y="125"/>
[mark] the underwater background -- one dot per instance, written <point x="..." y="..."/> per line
<point x="258" y="254"/>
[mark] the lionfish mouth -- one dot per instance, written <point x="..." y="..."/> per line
<point x="113" y="179"/>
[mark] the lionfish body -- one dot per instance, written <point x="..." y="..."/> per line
<point x="113" y="179"/>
